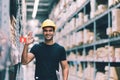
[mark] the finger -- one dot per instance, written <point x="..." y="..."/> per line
<point x="30" y="33"/>
<point x="30" y="37"/>
<point x="32" y="40"/>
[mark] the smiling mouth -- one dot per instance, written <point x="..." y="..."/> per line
<point x="48" y="36"/>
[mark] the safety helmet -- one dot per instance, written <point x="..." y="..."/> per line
<point x="47" y="23"/>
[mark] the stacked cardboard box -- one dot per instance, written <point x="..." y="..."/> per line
<point x="115" y="20"/>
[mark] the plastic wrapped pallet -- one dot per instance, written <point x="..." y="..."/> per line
<point x="72" y="56"/>
<point x="102" y="54"/>
<point x="90" y="75"/>
<point x="80" y="71"/>
<point x="117" y="54"/>
<point x="116" y="20"/>
<point x="111" y="53"/>
<point x="80" y="38"/>
<point x="91" y="37"/>
<point x="74" y="39"/>
<point x="81" y="18"/>
<point x="70" y="44"/>
<point x="100" y="76"/>
<point x="111" y="72"/>
<point x="72" y="70"/>
<point x="77" y="22"/>
<point x="90" y="56"/>
<point x="67" y="42"/>
<point x="86" y="18"/>
<point x="92" y="14"/>
<point x="77" y="40"/>
<point x="109" y="31"/>
<point x="102" y="8"/>
<point x="81" y="57"/>
<point x="111" y="3"/>
<point x="78" y="3"/>
<point x="93" y="6"/>
<point x="86" y="36"/>
<point x="72" y="22"/>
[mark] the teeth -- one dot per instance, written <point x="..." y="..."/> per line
<point x="48" y="36"/>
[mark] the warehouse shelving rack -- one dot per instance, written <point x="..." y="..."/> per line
<point x="75" y="13"/>
<point x="11" y="29"/>
<point x="18" y="12"/>
<point x="100" y="40"/>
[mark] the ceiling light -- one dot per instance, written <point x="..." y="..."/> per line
<point x="36" y="3"/>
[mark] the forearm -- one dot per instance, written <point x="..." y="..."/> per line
<point x="65" y="73"/>
<point x="24" y="54"/>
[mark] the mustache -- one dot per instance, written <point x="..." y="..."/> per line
<point x="48" y="35"/>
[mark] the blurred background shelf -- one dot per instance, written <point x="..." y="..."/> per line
<point x="88" y="29"/>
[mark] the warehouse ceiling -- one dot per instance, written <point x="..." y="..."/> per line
<point x="44" y="8"/>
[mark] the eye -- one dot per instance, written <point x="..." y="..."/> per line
<point x="47" y="30"/>
<point x="44" y="30"/>
<point x="50" y="30"/>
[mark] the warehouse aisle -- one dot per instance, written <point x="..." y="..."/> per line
<point x="88" y="29"/>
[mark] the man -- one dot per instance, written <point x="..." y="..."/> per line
<point x="48" y="54"/>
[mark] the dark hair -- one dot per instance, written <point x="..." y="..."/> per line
<point x="51" y="27"/>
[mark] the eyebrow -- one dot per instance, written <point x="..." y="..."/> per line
<point x="48" y="30"/>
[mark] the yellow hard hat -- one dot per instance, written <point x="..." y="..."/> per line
<point x="47" y="23"/>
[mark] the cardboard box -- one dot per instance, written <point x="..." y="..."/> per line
<point x="112" y="73"/>
<point x="109" y="31"/>
<point x="93" y="5"/>
<point x="86" y="36"/>
<point x="86" y="18"/>
<point x="117" y="54"/>
<point x="111" y="3"/>
<point x="92" y="14"/>
<point x="81" y="18"/>
<point x="116" y="20"/>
